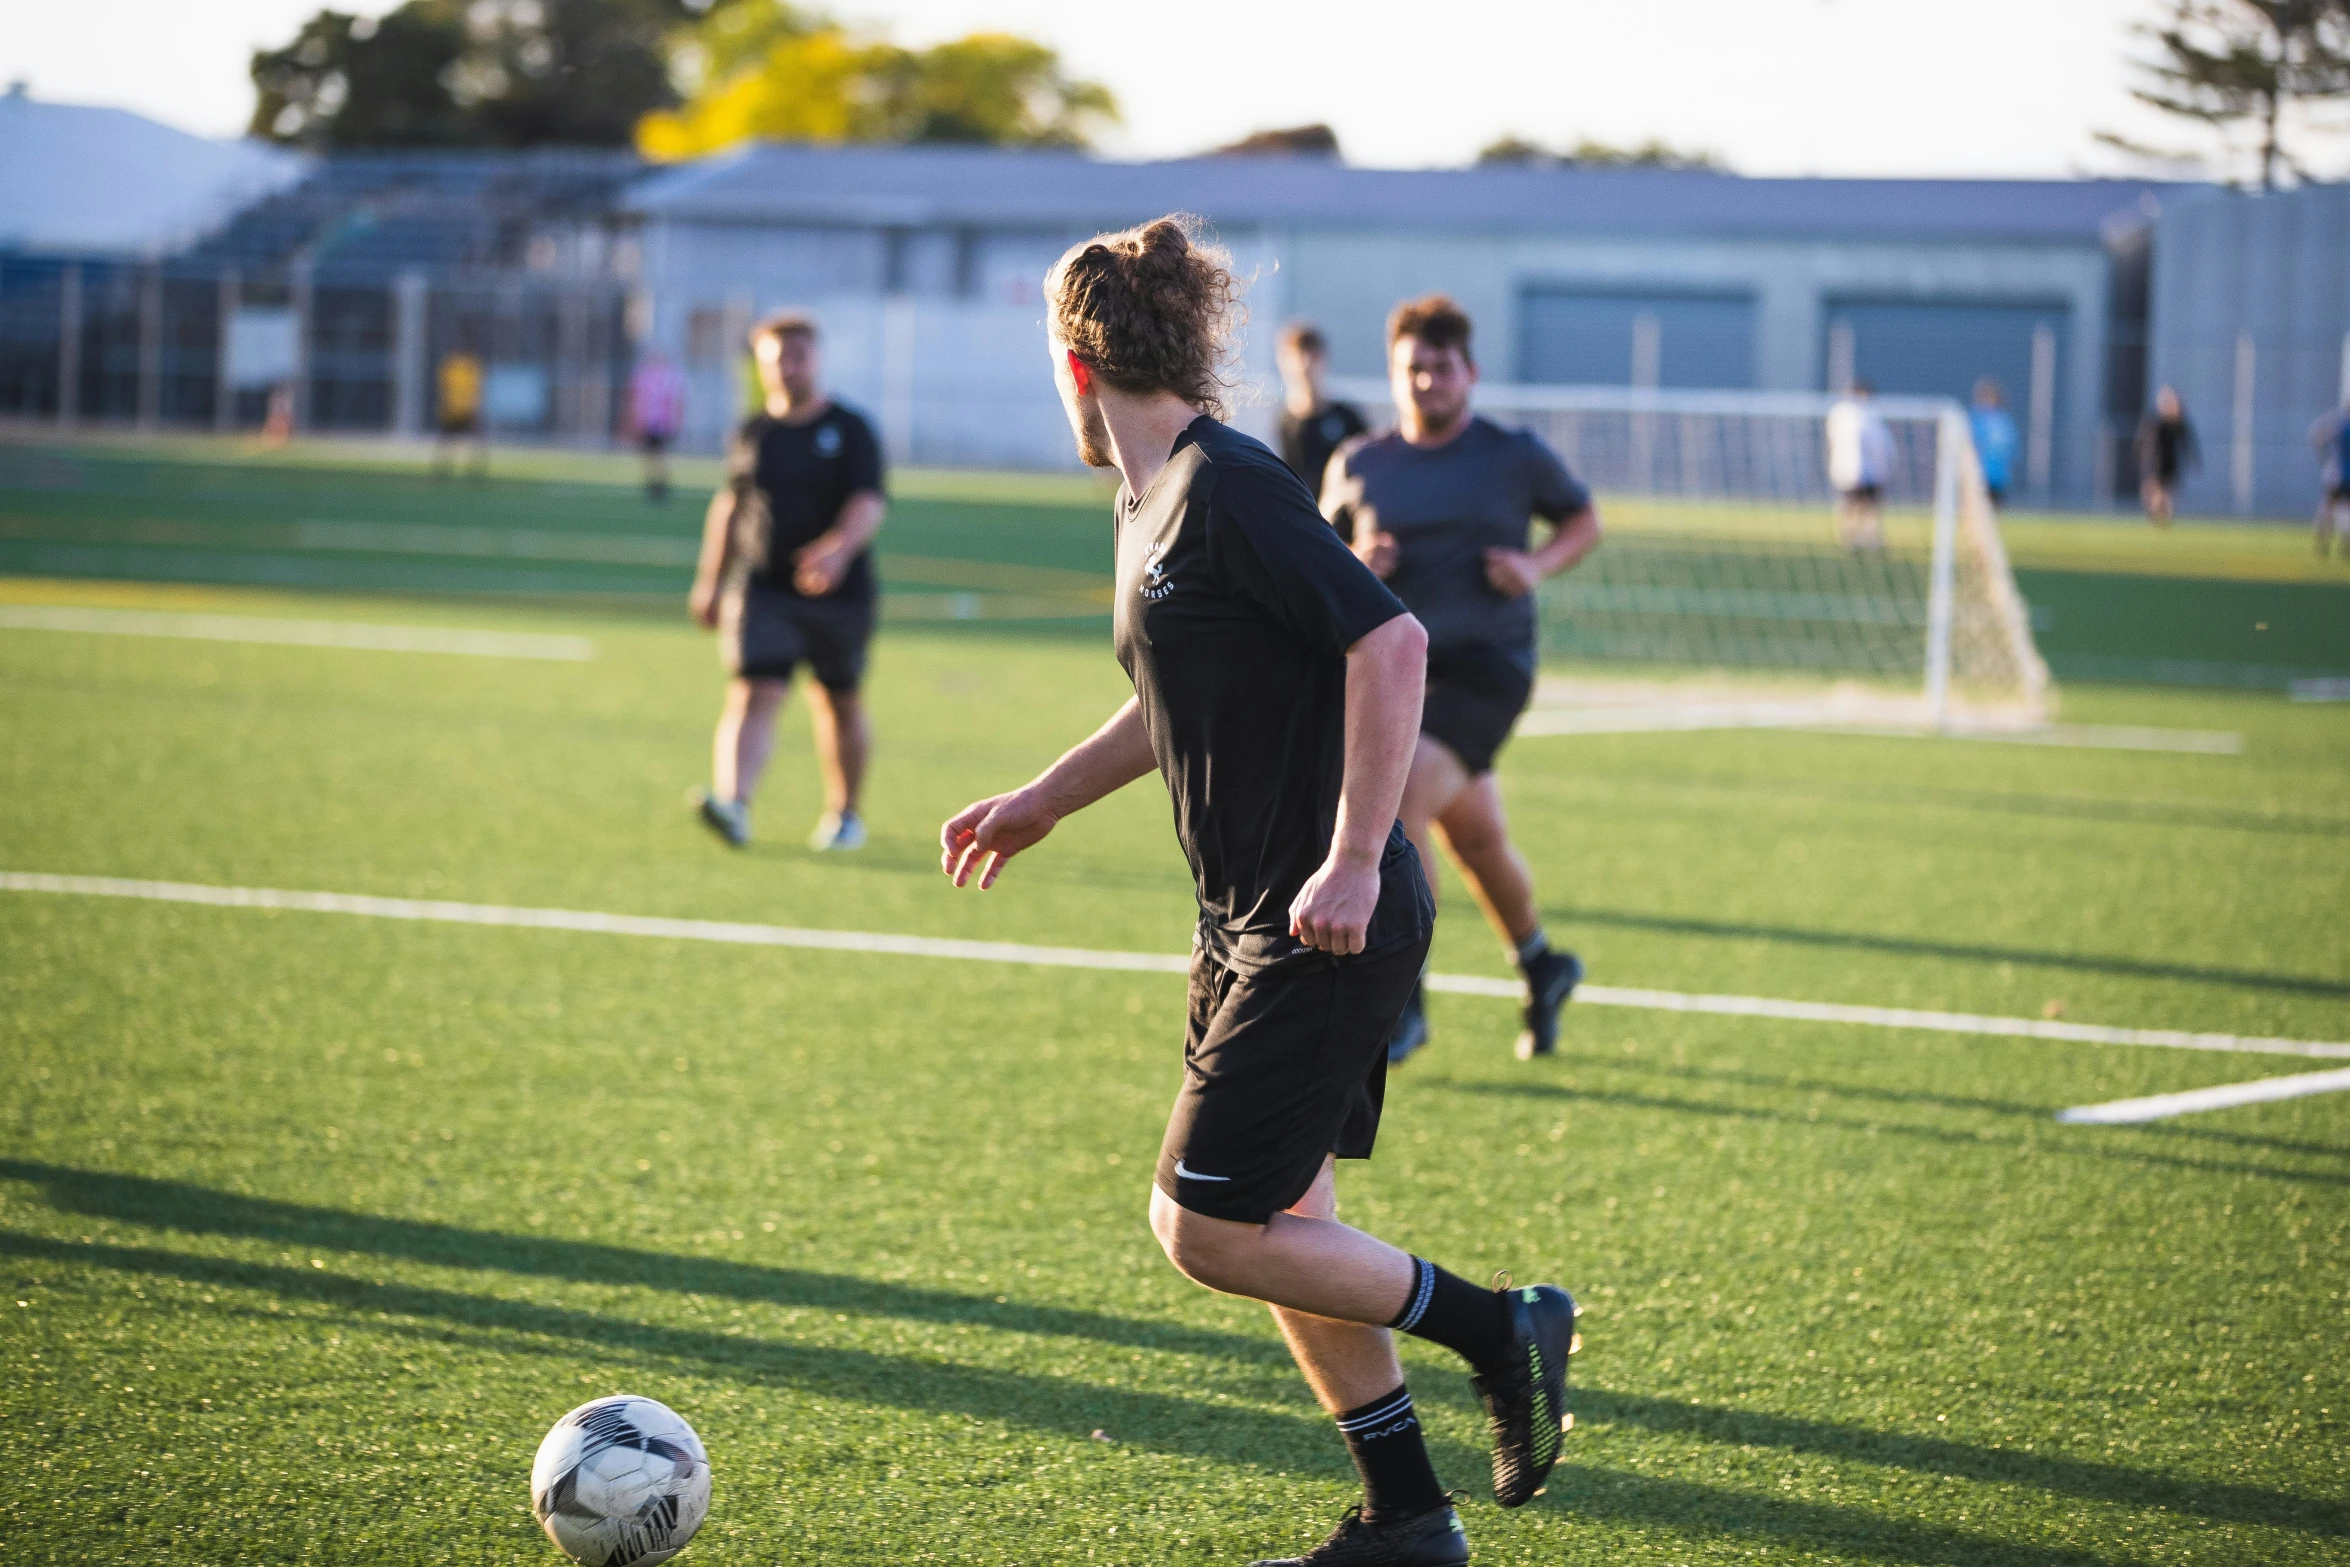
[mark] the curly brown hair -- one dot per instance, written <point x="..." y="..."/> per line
<point x="1150" y="309"/>
<point x="1433" y="319"/>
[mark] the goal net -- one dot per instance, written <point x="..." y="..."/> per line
<point x="1723" y="595"/>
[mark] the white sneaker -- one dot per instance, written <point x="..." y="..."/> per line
<point x="838" y="830"/>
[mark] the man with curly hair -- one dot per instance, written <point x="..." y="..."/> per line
<point x="1277" y="693"/>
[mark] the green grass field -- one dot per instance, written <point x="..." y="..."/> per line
<point x="311" y="1224"/>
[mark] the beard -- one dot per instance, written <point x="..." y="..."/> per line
<point x="1093" y="434"/>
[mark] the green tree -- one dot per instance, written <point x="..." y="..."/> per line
<point x="501" y="73"/>
<point x="1653" y="153"/>
<point x="2225" y="63"/>
<point x="360" y="81"/>
<point x="766" y="70"/>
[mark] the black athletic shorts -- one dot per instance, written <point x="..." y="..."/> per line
<point x="767" y="633"/>
<point x="1475" y="694"/>
<point x="1282" y="1067"/>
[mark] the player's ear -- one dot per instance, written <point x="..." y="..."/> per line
<point x="1080" y="374"/>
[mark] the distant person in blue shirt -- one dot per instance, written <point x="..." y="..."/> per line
<point x="2331" y="436"/>
<point x="1995" y="438"/>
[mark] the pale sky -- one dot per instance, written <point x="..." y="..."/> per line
<point x="1870" y="87"/>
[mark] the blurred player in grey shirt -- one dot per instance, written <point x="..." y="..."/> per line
<point x="1441" y="507"/>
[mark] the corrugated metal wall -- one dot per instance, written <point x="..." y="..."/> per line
<point x="2251" y="313"/>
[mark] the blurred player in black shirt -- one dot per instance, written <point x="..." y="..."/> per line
<point x="1312" y="426"/>
<point x="786" y="577"/>
<point x="1277" y="694"/>
<point x="1440" y="507"/>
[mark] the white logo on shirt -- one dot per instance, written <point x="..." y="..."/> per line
<point x="827" y="440"/>
<point x="1194" y="1175"/>
<point x="1155" y="585"/>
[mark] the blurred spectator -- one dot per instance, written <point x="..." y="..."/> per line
<point x="2331" y="436"/>
<point x="1860" y="462"/>
<point x="656" y="412"/>
<point x="277" y="418"/>
<point x="2166" y="450"/>
<point x="1312" y="426"/>
<point x="459" y="385"/>
<point x="1995" y="438"/>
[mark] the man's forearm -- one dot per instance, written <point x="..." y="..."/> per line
<point x="1108" y="760"/>
<point x="859" y="520"/>
<point x="717" y="536"/>
<point x="1386" y="677"/>
<point x="1573" y="539"/>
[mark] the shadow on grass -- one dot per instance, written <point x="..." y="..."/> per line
<point x="2212" y="1499"/>
<point x="1240" y="1436"/>
<point x="2071" y="1147"/>
<point x="1965" y="952"/>
<point x="203" y="1210"/>
<point x="1908" y="1096"/>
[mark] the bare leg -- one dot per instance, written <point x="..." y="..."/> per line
<point x="745" y="738"/>
<point x="1346" y="1363"/>
<point x="1473" y="828"/>
<point x="844" y="739"/>
<point x="1435" y="782"/>
<point x="1312" y="1266"/>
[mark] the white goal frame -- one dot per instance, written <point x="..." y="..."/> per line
<point x="1963" y="517"/>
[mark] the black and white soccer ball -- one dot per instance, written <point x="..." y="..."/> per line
<point x="621" y="1482"/>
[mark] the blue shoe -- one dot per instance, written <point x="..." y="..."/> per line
<point x="729" y="819"/>
<point x="838" y="832"/>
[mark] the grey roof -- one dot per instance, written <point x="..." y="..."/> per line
<point x="994" y="187"/>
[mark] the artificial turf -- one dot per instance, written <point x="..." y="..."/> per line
<point x="311" y="1224"/>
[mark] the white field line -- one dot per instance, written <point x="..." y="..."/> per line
<point x="1824" y="718"/>
<point x="1139" y="962"/>
<point x="2156" y="1107"/>
<point x="366" y="635"/>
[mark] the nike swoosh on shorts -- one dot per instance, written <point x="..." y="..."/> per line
<point x="1194" y="1175"/>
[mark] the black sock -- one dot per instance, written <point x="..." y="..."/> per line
<point x="1383" y="1438"/>
<point x="1530" y="950"/>
<point x="1446" y="1309"/>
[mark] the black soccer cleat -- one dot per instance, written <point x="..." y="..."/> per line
<point x="1430" y="1539"/>
<point x="1411" y="1029"/>
<point x="1549" y="981"/>
<point x="1525" y="1398"/>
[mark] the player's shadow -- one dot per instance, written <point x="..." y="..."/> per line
<point x="1964" y="952"/>
<point x="204" y="1210"/>
<point x="1237" y="1435"/>
<point x="1954" y="1136"/>
<point x="1914" y="1096"/>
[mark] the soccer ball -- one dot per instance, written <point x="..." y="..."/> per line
<point x="621" y="1482"/>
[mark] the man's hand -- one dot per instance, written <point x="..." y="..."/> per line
<point x="702" y="603"/>
<point x="1377" y="551"/>
<point x="1334" y="907"/>
<point x="983" y="835"/>
<point x="1513" y="573"/>
<point x="818" y="566"/>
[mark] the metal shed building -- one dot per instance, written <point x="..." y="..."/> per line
<point x="2252" y="325"/>
<point x="924" y="264"/>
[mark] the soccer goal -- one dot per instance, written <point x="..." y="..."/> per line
<point x="1722" y="596"/>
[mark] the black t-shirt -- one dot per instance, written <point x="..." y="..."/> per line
<point x="1447" y="505"/>
<point x="1236" y="605"/>
<point x="1306" y="444"/>
<point x="801" y="475"/>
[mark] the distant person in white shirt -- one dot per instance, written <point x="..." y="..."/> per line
<point x="1860" y="462"/>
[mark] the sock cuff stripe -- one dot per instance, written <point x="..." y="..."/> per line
<point x="1392" y="1409"/>
<point x="1421" y="1295"/>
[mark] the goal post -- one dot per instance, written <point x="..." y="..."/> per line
<point x="1723" y="594"/>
